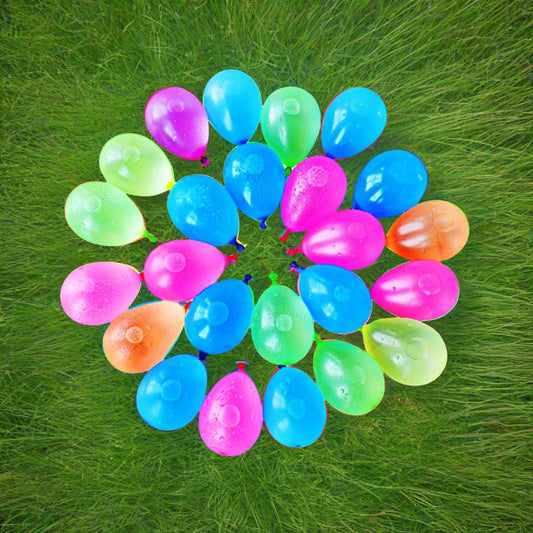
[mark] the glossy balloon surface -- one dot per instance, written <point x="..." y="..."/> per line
<point x="351" y="381"/>
<point x="294" y="408"/>
<point x="255" y="178"/>
<point x="203" y="210"/>
<point x="142" y="336"/>
<point x="338" y="300"/>
<point x="353" y="121"/>
<point x="390" y="184"/>
<point x="431" y="230"/>
<point x="315" y="189"/>
<point x="100" y="213"/>
<point x="177" y="120"/>
<point x="172" y="392"/>
<point x="219" y="317"/>
<point x="179" y="270"/>
<point x="290" y="122"/>
<point x="408" y="351"/>
<point x="349" y="239"/>
<point x="282" y="327"/>
<point x="233" y="104"/>
<point x="97" y="293"/>
<point x="136" y="165"/>
<point x="231" y="416"/>
<point x="422" y="289"/>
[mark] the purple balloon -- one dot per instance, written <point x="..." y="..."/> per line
<point x="97" y="293"/>
<point x="177" y="120"/>
<point x="422" y="290"/>
<point x="348" y="239"/>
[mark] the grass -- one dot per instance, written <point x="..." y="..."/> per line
<point x="454" y="455"/>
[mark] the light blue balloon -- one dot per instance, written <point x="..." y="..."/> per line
<point x="294" y="409"/>
<point x="255" y="177"/>
<point x="203" y="210"/>
<point x="390" y="184"/>
<point x="219" y="317"/>
<point x="172" y="392"/>
<point x="233" y="104"/>
<point x="352" y="122"/>
<point x="337" y="299"/>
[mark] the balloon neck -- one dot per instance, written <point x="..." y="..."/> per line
<point x="281" y="366"/>
<point x="295" y="268"/>
<point x="141" y="275"/>
<point x="151" y="237"/>
<point x="241" y="365"/>
<point x="263" y="225"/>
<point x="285" y="236"/>
<point x="293" y="251"/>
<point x="288" y="171"/>
<point x="238" y="244"/>
<point x="273" y="277"/>
<point x="170" y="184"/>
<point x="318" y="339"/>
<point x="247" y="279"/>
<point x="186" y="306"/>
<point x="231" y="258"/>
<point x="202" y="356"/>
<point x="204" y="160"/>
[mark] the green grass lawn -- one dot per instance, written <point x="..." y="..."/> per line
<point x="454" y="455"/>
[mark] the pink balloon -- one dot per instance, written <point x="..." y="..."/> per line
<point x="177" y="120"/>
<point x="315" y="189"/>
<point x="423" y="290"/>
<point x="97" y="293"/>
<point x="178" y="270"/>
<point x="349" y="239"/>
<point x="232" y="414"/>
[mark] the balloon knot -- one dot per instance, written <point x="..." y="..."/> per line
<point x="204" y="160"/>
<point x="170" y="184"/>
<point x="141" y="275"/>
<point x="247" y="279"/>
<point x="294" y="267"/>
<point x="186" y="306"/>
<point x="292" y="251"/>
<point x="317" y="338"/>
<point x="263" y="225"/>
<point x="273" y="277"/>
<point x="281" y="366"/>
<point x="202" y="355"/>
<point x="240" y="247"/>
<point x="284" y="236"/>
<point x="231" y="258"/>
<point x="241" y="365"/>
<point x="288" y="171"/>
<point x="152" y="238"/>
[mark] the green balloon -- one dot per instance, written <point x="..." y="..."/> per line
<point x="136" y="165"/>
<point x="282" y="327"/>
<point x="350" y="380"/>
<point x="100" y="213"/>
<point x="290" y="122"/>
<point x="408" y="351"/>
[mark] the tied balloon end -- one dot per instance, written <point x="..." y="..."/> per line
<point x="295" y="268"/>
<point x="170" y="184"/>
<point x="247" y="279"/>
<point x="202" y="356"/>
<point x="204" y="160"/>
<point x="273" y="277"/>
<point x="293" y="251"/>
<point x="141" y="275"/>
<point x="186" y="306"/>
<point x="288" y="171"/>
<point x="241" y="365"/>
<point x="318" y="339"/>
<point x="239" y="245"/>
<point x="281" y="366"/>
<point x="150" y="236"/>
<point x="285" y="236"/>
<point x="263" y="225"/>
<point x="231" y="258"/>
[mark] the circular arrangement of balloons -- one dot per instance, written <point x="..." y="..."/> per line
<point x="183" y="274"/>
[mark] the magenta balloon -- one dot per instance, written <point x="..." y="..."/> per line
<point x="97" y="293"/>
<point x="232" y="415"/>
<point x="422" y="290"/>
<point x="179" y="270"/>
<point x="315" y="189"/>
<point x="177" y="120"/>
<point x="349" y="239"/>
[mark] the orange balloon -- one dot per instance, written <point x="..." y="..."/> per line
<point x="431" y="230"/>
<point x="142" y="336"/>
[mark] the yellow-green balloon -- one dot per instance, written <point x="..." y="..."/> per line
<point x="408" y="351"/>
<point x="282" y="327"/>
<point x="136" y="165"/>
<point x="290" y="122"/>
<point x="100" y="213"/>
<point x="350" y="380"/>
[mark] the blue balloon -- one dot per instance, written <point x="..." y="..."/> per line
<point x="233" y="104"/>
<point x="352" y="122"/>
<point x="390" y="184"/>
<point x="203" y="210"/>
<point x="219" y="317"/>
<point x="294" y="408"/>
<point x="172" y="392"/>
<point x="337" y="299"/>
<point x="255" y="177"/>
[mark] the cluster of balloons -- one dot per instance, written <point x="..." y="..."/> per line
<point x="183" y="274"/>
